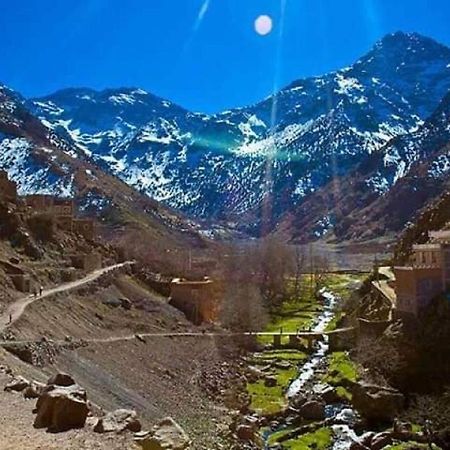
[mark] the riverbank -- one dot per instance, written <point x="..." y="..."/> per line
<point x="309" y="398"/>
<point x="282" y="375"/>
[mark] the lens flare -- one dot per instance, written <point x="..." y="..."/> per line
<point x="263" y="25"/>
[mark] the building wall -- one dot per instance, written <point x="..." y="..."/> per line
<point x="8" y="189"/>
<point x="63" y="207"/>
<point x="416" y="287"/>
<point x="426" y="255"/>
<point x="88" y="262"/>
<point x="446" y="266"/>
<point x="85" y="227"/>
<point x="39" y="202"/>
<point x="196" y="299"/>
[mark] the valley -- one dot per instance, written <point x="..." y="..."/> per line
<point x="275" y="276"/>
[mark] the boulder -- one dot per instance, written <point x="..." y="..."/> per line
<point x="17" y="384"/>
<point x="112" y="302"/>
<point x="313" y="410"/>
<point x="327" y="393"/>
<point x="118" y="421"/>
<point x="377" y="403"/>
<point x="270" y="381"/>
<point x="61" y="408"/>
<point x="245" y="432"/>
<point x="298" y="400"/>
<point x="381" y="440"/>
<point x="283" y="365"/>
<point x="401" y="427"/>
<point x="166" y="435"/>
<point x="61" y="379"/>
<point x="125" y="303"/>
<point x="34" y="390"/>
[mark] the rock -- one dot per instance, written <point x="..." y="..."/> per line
<point x="381" y="440"/>
<point x="402" y="427"/>
<point x="313" y="410"/>
<point x="17" y="384"/>
<point x="61" y="379"/>
<point x="377" y="403"/>
<point x="327" y="393"/>
<point x="298" y="400"/>
<point x="118" y="421"/>
<point x="245" y="432"/>
<point x="254" y="374"/>
<point x="270" y="381"/>
<point x="283" y="365"/>
<point x="34" y="390"/>
<point x="166" y="435"/>
<point x="112" y="302"/>
<point x="125" y="303"/>
<point x="22" y="351"/>
<point x="61" y="408"/>
<point x="357" y="445"/>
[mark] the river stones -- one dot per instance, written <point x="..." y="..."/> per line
<point x="377" y="403"/>
<point x="270" y="381"/>
<point x="118" y="421"/>
<point x="313" y="410"/>
<point x="17" y="384"/>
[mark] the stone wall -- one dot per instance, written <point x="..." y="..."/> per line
<point x="87" y="262"/>
<point x="196" y="299"/>
<point x="8" y="188"/>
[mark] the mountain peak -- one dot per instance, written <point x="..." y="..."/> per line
<point x="401" y="40"/>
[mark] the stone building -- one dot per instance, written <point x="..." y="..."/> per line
<point x="39" y="202"/>
<point x="86" y="261"/>
<point x="197" y="299"/>
<point x="425" y="276"/>
<point x="85" y="227"/>
<point x="8" y="188"/>
<point x="63" y="210"/>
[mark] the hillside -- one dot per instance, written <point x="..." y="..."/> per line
<point x="41" y="161"/>
<point x="388" y="189"/>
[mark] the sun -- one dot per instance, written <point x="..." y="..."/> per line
<point x="263" y="25"/>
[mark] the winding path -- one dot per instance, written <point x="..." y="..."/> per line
<point x="16" y="309"/>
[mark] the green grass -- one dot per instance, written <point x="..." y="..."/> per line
<point x="293" y="314"/>
<point x="410" y="445"/>
<point x="281" y="355"/>
<point x="320" y="439"/>
<point x="341" y="369"/>
<point x="269" y="400"/>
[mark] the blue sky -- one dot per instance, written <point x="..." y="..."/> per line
<point x="204" y="55"/>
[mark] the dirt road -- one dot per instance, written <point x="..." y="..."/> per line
<point x="16" y="309"/>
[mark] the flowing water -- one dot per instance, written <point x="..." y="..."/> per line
<point x="343" y="433"/>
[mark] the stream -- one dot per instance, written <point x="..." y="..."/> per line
<point x="343" y="433"/>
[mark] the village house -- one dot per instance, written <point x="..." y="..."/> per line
<point x="63" y="211"/>
<point x="196" y="299"/>
<point x="8" y="188"/>
<point x="425" y="276"/>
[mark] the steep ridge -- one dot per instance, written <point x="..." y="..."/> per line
<point x="42" y="161"/>
<point x="388" y="189"/>
<point x="277" y="152"/>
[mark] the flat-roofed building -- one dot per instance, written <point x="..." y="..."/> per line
<point x="197" y="299"/>
<point x="425" y="276"/>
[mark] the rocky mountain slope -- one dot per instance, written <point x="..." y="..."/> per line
<point x="42" y="161"/>
<point x="259" y="162"/>
<point x="388" y="188"/>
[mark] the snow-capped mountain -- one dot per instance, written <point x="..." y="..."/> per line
<point x="389" y="187"/>
<point x="263" y="162"/>
<point x="283" y="148"/>
<point x="41" y="161"/>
